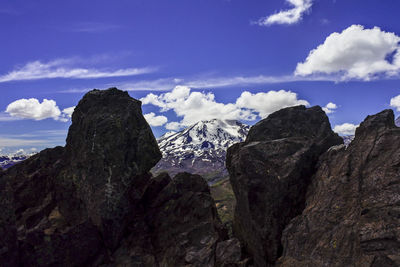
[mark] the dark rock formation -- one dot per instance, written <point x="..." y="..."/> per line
<point x="8" y="229"/>
<point x="115" y="147"/>
<point x="181" y="224"/>
<point x="71" y="203"/>
<point x="352" y="215"/>
<point x="270" y="173"/>
<point x="93" y="202"/>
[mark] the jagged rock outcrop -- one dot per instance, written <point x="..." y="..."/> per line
<point x="182" y="227"/>
<point x="270" y="173"/>
<point x="352" y="214"/>
<point x="71" y="203"/>
<point x="115" y="147"/>
<point x="94" y="203"/>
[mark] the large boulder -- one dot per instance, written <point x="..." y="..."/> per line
<point x="270" y="173"/>
<point x="352" y="215"/>
<point x="70" y="204"/>
<point x="110" y="147"/>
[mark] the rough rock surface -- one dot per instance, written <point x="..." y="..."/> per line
<point x="179" y="225"/>
<point x="352" y="214"/>
<point x="270" y="172"/>
<point x="93" y="202"/>
<point x="71" y="203"/>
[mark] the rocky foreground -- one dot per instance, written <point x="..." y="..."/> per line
<point x="303" y="198"/>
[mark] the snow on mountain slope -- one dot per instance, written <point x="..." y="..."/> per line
<point x="6" y="161"/>
<point x="200" y="148"/>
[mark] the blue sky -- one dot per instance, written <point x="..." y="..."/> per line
<point x="189" y="60"/>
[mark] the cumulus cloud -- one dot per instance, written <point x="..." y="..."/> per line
<point x="173" y="126"/>
<point x="395" y="102"/>
<point x="68" y="111"/>
<point x="290" y="16"/>
<point x="355" y="53"/>
<point x="154" y="120"/>
<point x="33" y="109"/>
<point x="66" y="114"/>
<point x="345" y="129"/>
<point x="266" y="103"/>
<point x="195" y="106"/>
<point x="64" y="68"/>
<point x="330" y="108"/>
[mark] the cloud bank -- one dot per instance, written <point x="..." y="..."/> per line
<point x="195" y="106"/>
<point x="34" y="110"/>
<point x="355" y="53"/>
<point x="290" y="16"/>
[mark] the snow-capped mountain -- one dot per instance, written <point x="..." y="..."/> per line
<point x="6" y="161"/>
<point x="200" y="148"/>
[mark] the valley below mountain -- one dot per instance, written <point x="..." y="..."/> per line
<point x="289" y="194"/>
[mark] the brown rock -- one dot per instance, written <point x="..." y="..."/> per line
<point x="270" y="173"/>
<point x="352" y="215"/>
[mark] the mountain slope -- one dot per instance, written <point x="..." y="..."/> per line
<point x="200" y="148"/>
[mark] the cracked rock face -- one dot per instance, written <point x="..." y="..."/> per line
<point x="352" y="214"/>
<point x="69" y="204"/>
<point x="110" y="147"/>
<point x="270" y="172"/>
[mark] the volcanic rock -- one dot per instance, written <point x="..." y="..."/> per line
<point x="115" y="147"/>
<point x="94" y="202"/>
<point x="72" y="203"/>
<point x="352" y="214"/>
<point x="270" y="173"/>
<point x="178" y="225"/>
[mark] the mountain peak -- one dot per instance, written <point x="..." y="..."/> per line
<point x="201" y="147"/>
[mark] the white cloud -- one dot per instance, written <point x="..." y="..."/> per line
<point x="195" y="106"/>
<point x="68" y="111"/>
<point x="330" y="108"/>
<point x="290" y="16"/>
<point x="34" y="110"/>
<point x="266" y="103"/>
<point x="395" y="102"/>
<point x="154" y="120"/>
<point x="64" y="68"/>
<point x="355" y="53"/>
<point x="173" y="126"/>
<point x="345" y="129"/>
